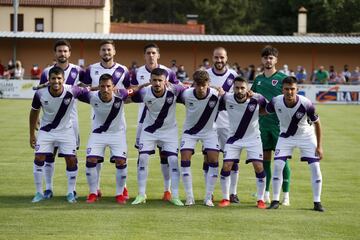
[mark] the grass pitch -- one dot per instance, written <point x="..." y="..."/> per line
<point x="21" y="219"/>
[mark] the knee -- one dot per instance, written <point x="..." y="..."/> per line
<point x="227" y="166"/>
<point x="258" y="167"/>
<point x="120" y="163"/>
<point x="71" y="162"/>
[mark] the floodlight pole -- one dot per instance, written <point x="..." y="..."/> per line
<point x="15" y="27"/>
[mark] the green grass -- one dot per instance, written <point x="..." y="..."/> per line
<point x="20" y="219"/>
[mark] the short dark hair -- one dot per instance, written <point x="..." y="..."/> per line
<point x="104" y="77"/>
<point x="108" y="41"/>
<point x="240" y="79"/>
<point x="289" y="80"/>
<point x="269" y="50"/>
<point x="57" y="71"/>
<point x="151" y="45"/>
<point x="62" y="42"/>
<point x="201" y="77"/>
<point x="159" y="72"/>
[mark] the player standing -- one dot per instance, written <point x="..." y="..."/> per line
<point x="269" y="84"/>
<point x="121" y="80"/>
<point x="159" y="128"/>
<point x="201" y="103"/>
<point x="244" y="134"/>
<point x="222" y="76"/>
<point x="57" y="101"/>
<point x="296" y="114"/>
<point x="142" y="76"/>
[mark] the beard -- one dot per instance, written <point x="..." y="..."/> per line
<point x="62" y="59"/>
<point x="107" y="59"/>
<point x="219" y="66"/>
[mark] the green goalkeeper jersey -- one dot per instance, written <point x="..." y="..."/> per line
<point x="269" y="87"/>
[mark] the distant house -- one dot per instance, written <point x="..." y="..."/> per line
<point x="91" y="16"/>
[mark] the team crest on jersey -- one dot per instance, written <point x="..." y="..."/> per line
<point x="299" y="115"/>
<point x="274" y="82"/>
<point x="88" y="150"/>
<point x="251" y="107"/>
<point x="67" y="101"/>
<point x="169" y="100"/>
<point x="73" y="74"/>
<point x="117" y="104"/>
<point x="229" y="81"/>
<point x="277" y="151"/>
<point x="212" y="104"/>
<point x="117" y="74"/>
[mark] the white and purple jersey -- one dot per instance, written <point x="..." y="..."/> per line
<point x="142" y="76"/>
<point x="56" y="110"/>
<point x="244" y="116"/>
<point x="161" y="110"/>
<point x="294" y="120"/>
<point x="225" y="81"/>
<point x="200" y="113"/>
<point x="109" y="117"/>
<point x="72" y="74"/>
<point x="120" y="74"/>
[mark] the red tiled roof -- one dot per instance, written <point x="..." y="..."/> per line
<point x="154" y="28"/>
<point x="57" y="3"/>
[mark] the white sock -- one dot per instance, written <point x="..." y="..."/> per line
<point x="225" y="184"/>
<point x="316" y="180"/>
<point x="91" y="176"/>
<point x="166" y="175"/>
<point x="260" y="185"/>
<point x="71" y="176"/>
<point x="38" y="175"/>
<point x="286" y="195"/>
<point x="277" y="179"/>
<point x="49" y="169"/>
<point x="98" y="169"/>
<point x="187" y="179"/>
<point x="211" y="180"/>
<point x="142" y="173"/>
<point x="121" y="175"/>
<point x="234" y="179"/>
<point x="175" y="176"/>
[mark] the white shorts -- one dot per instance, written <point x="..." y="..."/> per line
<point x="223" y="135"/>
<point x="307" y="145"/>
<point x="115" y="141"/>
<point x="167" y="140"/>
<point x="64" y="140"/>
<point x="209" y="141"/>
<point x="253" y="148"/>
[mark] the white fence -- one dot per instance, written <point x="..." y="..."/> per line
<point x="327" y="94"/>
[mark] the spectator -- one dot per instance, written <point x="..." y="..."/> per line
<point x="2" y="69"/>
<point x="181" y="74"/>
<point x="206" y="63"/>
<point x="10" y="68"/>
<point x="132" y="70"/>
<point x="346" y="73"/>
<point x="251" y="73"/>
<point x="173" y="66"/>
<point x="322" y="76"/>
<point x="285" y="70"/>
<point x="332" y="75"/>
<point x="7" y="73"/>
<point x="301" y="75"/>
<point x="355" y="76"/>
<point x="339" y="79"/>
<point x="18" y="71"/>
<point x="35" y="72"/>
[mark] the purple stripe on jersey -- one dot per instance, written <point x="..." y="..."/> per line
<point x="133" y="80"/>
<point x="228" y="82"/>
<point x="117" y="74"/>
<point x="60" y="114"/>
<point x="72" y="76"/>
<point x="36" y="103"/>
<point x="293" y="126"/>
<point x="112" y="115"/>
<point x="169" y="100"/>
<point x="245" y="121"/>
<point x="205" y="116"/>
<point x="143" y="115"/>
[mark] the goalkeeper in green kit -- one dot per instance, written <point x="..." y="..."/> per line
<point x="269" y="84"/>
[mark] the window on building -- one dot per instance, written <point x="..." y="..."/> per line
<point x="20" y="24"/>
<point x="39" y="24"/>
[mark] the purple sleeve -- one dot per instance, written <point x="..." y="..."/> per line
<point x="87" y="77"/>
<point x="172" y="78"/>
<point x="122" y="93"/>
<point x="81" y="75"/>
<point x="43" y="77"/>
<point x="81" y="93"/>
<point x="134" y="80"/>
<point x="262" y="101"/>
<point x="310" y="111"/>
<point x="270" y="106"/>
<point x="36" y="104"/>
<point x="126" y="81"/>
<point x="222" y="103"/>
<point x="180" y="97"/>
<point x="138" y="96"/>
